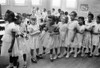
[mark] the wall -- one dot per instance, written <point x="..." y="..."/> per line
<point x="94" y="6"/>
<point x="23" y="9"/>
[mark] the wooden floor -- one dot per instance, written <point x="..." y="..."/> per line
<point x="71" y="62"/>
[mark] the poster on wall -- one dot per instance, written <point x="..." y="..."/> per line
<point x="84" y="7"/>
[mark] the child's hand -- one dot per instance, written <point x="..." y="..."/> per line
<point x="26" y="37"/>
<point x="9" y="50"/>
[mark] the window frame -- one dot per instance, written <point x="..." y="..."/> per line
<point x="6" y="2"/>
<point x="17" y="4"/>
<point x="76" y="5"/>
<point x="56" y="5"/>
<point x="36" y="4"/>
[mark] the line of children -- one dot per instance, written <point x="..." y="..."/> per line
<point x="57" y="35"/>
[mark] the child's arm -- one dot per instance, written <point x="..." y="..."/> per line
<point x="13" y="41"/>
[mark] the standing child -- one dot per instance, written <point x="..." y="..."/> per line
<point x="34" y="32"/>
<point x="80" y="36"/>
<point x="10" y="44"/>
<point x="63" y="28"/>
<point x="88" y="35"/>
<point x="72" y="33"/>
<point x="95" y="35"/>
<point x="50" y="41"/>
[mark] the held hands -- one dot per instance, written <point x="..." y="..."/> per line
<point x="9" y="50"/>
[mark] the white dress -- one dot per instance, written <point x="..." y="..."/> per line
<point x="63" y="28"/>
<point x="71" y="33"/>
<point x="80" y="36"/>
<point x="95" y="35"/>
<point x="33" y="36"/>
<point x="88" y="35"/>
<point x="23" y="46"/>
<point x="7" y="39"/>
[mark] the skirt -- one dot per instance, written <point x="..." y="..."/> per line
<point x="5" y="47"/>
<point x="48" y="41"/>
<point x="87" y="42"/>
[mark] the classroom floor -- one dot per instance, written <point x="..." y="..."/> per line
<point x="71" y="62"/>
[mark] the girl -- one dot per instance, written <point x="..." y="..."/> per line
<point x="63" y="28"/>
<point x="10" y="45"/>
<point x="88" y="36"/>
<point x="80" y="36"/>
<point x="50" y="41"/>
<point x="34" y="32"/>
<point x="95" y="36"/>
<point x="22" y="40"/>
<point x="71" y="32"/>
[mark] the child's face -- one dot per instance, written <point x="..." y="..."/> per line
<point x="63" y="19"/>
<point x="72" y="16"/>
<point x="19" y="21"/>
<point x="49" y="21"/>
<point x="80" y="21"/>
<point x="90" y="18"/>
<point x="49" y="13"/>
<point x="98" y="20"/>
<point x="33" y="21"/>
<point x="6" y="16"/>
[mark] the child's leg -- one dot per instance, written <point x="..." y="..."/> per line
<point x="51" y="55"/>
<point x="55" y="54"/>
<point x="75" y="52"/>
<point x="25" y="57"/>
<point x="39" y="53"/>
<point x="33" y="56"/>
<point x="67" y="50"/>
<point x="15" y="62"/>
<point x="58" y="51"/>
<point x="11" y="59"/>
<point x="44" y="50"/>
<point x="91" y="51"/>
<point x="96" y="51"/>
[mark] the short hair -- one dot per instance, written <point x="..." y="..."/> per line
<point x="82" y="18"/>
<point x="98" y="17"/>
<point x="74" y="13"/>
<point x="8" y="11"/>
<point x="53" y="18"/>
<point x="91" y="14"/>
<point x="53" y="9"/>
<point x="66" y="13"/>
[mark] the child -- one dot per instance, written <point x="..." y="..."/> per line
<point x="50" y="38"/>
<point x="63" y="28"/>
<point x="80" y="36"/>
<point x="22" y="41"/>
<point x="88" y="35"/>
<point x="72" y="33"/>
<point x="34" y="32"/>
<point x="10" y="45"/>
<point x="95" y="36"/>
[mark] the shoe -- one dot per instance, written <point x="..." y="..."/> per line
<point x="33" y="60"/>
<point x="67" y="56"/>
<point x="60" y="56"/>
<point x="51" y="59"/>
<point x="15" y="67"/>
<point x="25" y="66"/>
<point x="39" y="57"/>
<point x="82" y="55"/>
<point x="9" y="66"/>
<point x="75" y="55"/>
<point x="55" y="57"/>
<point x="17" y="64"/>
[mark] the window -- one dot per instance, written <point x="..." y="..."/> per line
<point x="3" y="2"/>
<point x="36" y="2"/>
<point x="56" y="3"/>
<point x="20" y="2"/>
<point x="71" y="3"/>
